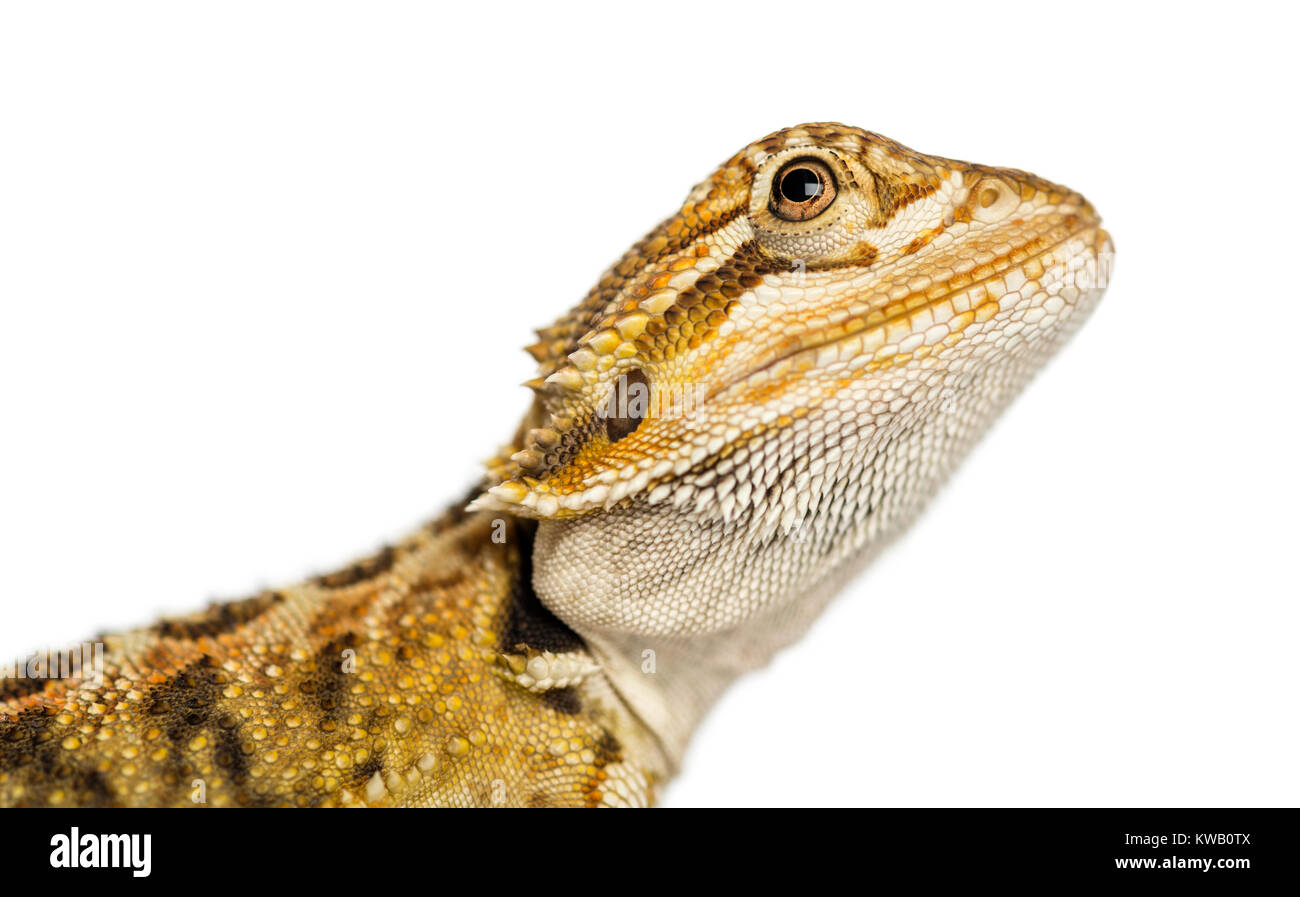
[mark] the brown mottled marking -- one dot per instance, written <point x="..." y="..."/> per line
<point x="21" y="687"/>
<point x="361" y="571"/>
<point x="862" y="256"/>
<point x="218" y="618"/>
<point x="923" y="239"/>
<point x="563" y="700"/>
<point x="527" y="623"/>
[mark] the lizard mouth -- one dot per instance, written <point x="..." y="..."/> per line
<point x="894" y="330"/>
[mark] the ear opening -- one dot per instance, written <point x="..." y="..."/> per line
<point x="628" y="405"/>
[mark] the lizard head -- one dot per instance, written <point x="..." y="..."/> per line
<point x="781" y="372"/>
<point x="818" y="264"/>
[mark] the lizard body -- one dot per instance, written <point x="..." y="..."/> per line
<point x="741" y="412"/>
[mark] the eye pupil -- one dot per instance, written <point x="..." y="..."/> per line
<point x="801" y="185"/>
<point x="801" y="190"/>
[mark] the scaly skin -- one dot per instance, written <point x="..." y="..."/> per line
<point x="798" y="358"/>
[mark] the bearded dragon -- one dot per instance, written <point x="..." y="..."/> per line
<point x="739" y="414"/>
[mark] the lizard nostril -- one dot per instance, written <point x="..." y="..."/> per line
<point x="992" y="200"/>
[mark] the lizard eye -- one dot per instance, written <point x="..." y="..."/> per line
<point x="802" y="189"/>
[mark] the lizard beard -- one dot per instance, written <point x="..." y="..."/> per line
<point x="676" y="602"/>
<point x="676" y="605"/>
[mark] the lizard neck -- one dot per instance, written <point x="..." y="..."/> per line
<point x="675" y="608"/>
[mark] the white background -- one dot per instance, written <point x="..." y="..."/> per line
<point x="266" y="269"/>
